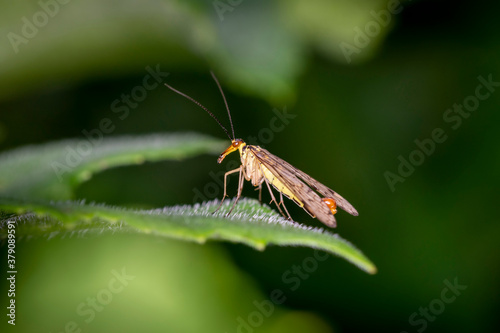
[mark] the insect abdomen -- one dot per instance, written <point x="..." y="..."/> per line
<point x="279" y="186"/>
<point x="256" y="172"/>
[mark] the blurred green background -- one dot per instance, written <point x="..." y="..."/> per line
<point x="360" y="83"/>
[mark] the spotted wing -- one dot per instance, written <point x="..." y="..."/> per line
<point x="302" y="187"/>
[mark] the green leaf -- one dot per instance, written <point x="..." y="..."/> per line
<point x="338" y="28"/>
<point x="53" y="170"/>
<point x="249" y="223"/>
<point x="262" y="59"/>
<point x="258" y="47"/>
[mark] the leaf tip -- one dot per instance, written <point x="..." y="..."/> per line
<point x="200" y="240"/>
<point x="259" y="245"/>
<point x="372" y="270"/>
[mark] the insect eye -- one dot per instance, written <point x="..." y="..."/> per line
<point x="236" y="144"/>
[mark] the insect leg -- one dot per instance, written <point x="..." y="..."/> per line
<point x="225" y="182"/>
<point x="260" y="193"/>
<point x="240" y="189"/>
<point x="284" y="207"/>
<point x="273" y="198"/>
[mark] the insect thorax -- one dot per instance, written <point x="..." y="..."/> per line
<point x="252" y="170"/>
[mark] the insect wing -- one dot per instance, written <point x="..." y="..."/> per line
<point x="324" y="190"/>
<point x="286" y="173"/>
<point x="316" y="185"/>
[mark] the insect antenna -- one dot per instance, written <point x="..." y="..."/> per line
<point x="225" y="101"/>
<point x="201" y="106"/>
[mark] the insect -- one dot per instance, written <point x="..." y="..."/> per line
<point x="260" y="167"/>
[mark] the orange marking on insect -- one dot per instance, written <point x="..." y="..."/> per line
<point x="260" y="166"/>
<point x="331" y="204"/>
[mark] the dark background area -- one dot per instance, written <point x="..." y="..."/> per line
<point x="353" y="120"/>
